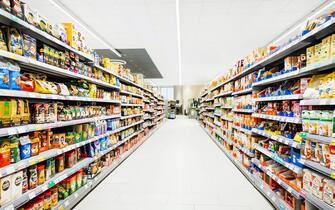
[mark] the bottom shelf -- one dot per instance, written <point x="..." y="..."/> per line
<point x="71" y="201"/>
<point x="256" y="181"/>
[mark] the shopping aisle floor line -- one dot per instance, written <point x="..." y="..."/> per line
<point x="177" y="168"/>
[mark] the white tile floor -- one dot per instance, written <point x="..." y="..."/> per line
<point x="178" y="168"/>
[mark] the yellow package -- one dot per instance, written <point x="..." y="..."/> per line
<point x="326" y="87"/>
<point x="332" y="46"/>
<point x="15" y="112"/>
<point x="41" y="86"/>
<point x="318" y="50"/>
<point x="312" y="90"/>
<point x="92" y="90"/>
<point x="71" y="35"/>
<point x="325" y="48"/>
<point x="310" y="53"/>
<point x="5" y="111"/>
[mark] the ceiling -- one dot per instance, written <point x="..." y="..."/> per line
<point x="214" y="34"/>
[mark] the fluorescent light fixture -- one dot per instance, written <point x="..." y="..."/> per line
<point x="75" y="19"/>
<point x="178" y="42"/>
<point x="300" y="24"/>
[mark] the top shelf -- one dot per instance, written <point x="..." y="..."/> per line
<point x="282" y="52"/>
<point x="12" y="20"/>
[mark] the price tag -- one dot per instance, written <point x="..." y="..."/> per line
<point x="11" y="131"/>
<point x="32" y="195"/>
<point x="45" y="188"/>
<point x="10" y="170"/>
<point x="38" y="127"/>
<point x="32" y="162"/>
<point x="40" y="159"/>
<point x="21" y="129"/>
<point x="10" y="207"/>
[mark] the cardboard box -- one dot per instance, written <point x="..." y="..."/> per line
<point x="325" y="48"/>
<point x="318" y="53"/>
<point x="329" y="192"/>
<point x="5" y="189"/>
<point x="16" y="185"/>
<point x="310" y="53"/>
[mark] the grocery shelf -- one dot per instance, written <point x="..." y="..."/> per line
<point x="210" y="124"/>
<point x="227" y="119"/>
<point x="226" y="107"/>
<point x="146" y="101"/>
<point x="278" y="118"/>
<point x="278" y="159"/>
<point x="249" y="111"/>
<point x="278" y="138"/>
<point x="317" y="67"/>
<point x="278" y="202"/>
<point x="287" y="76"/>
<point x="320" y="204"/>
<point x="30" y="194"/>
<point x="131" y="125"/>
<point x="275" y="200"/>
<point x="130" y="93"/>
<point x="209" y="99"/>
<point x="280" y="98"/>
<point x="287" y="187"/>
<point x="204" y="94"/>
<point x="135" y="105"/>
<point x="129" y="82"/>
<point x="36" y="127"/>
<point x="218" y="105"/>
<point x="318" y="138"/>
<point x="210" y="108"/>
<point x="317" y="102"/>
<point x="244" y="150"/>
<point x="53" y="70"/>
<point x="223" y="94"/>
<point x="149" y="111"/>
<point x="246" y="131"/>
<point x="223" y="137"/>
<point x="25" y="94"/>
<point x="318" y="167"/>
<point x="131" y="116"/>
<point x="12" y="20"/>
<point x="241" y="92"/>
<point x="217" y="114"/>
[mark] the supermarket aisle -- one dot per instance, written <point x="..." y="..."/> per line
<point x="178" y="168"/>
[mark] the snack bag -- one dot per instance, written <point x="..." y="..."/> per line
<point x="312" y="90"/>
<point x="4" y="75"/>
<point x="15" y="41"/>
<point x="3" y="45"/>
<point x="14" y="77"/>
<point x="325" y="124"/>
<point x="326" y="86"/>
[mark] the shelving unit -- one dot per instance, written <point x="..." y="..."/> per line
<point x="111" y="103"/>
<point x="267" y="93"/>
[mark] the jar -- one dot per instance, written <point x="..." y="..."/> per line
<point x="32" y="176"/>
<point x="54" y="196"/>
<point x="40" y="174"/>
<point x="60" y="162"/>
<point x="47" y="200"/>
<point x="39" y="203"/>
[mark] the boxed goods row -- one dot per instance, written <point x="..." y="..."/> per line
<point x="130" y="121"/>
<point x="132" y="89"/>
<point x="286" y="176"/>
<point x="284" y="108"/>
<point x="126" y="111"/>
<point x="319" y="186"/>
<point x="282" y="151"/>
<point x="244" y="82"/>
<point x="131" y="99"/>
<point x="319" y="122"/>
<point x="288" y="87"/>
<point x="243" y="102"/>
<point x="287" y="130"/>
<point x="245" y="121"/>
<point x="318" y="152"/>
<point x="15" y="148"/>
<point x="321" y="86"/>
<point x="14" y="112"/>
<point x="224" y="101"/>
<point x="12" y="78"/>
<point x="66" y="32"/>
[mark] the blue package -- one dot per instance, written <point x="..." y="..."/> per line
<point x="4" y="77"/>
<point x="25" y="151"/>
<point x="14" y="80"/>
